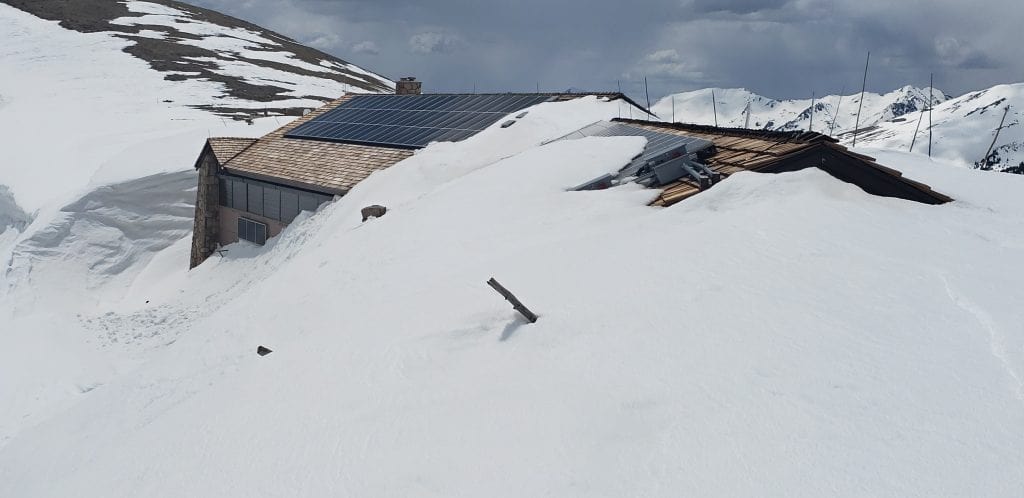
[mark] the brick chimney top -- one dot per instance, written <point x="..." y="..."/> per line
<point x="408" y="86"/>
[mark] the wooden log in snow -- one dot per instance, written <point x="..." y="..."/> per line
<point x="516" y="303"/>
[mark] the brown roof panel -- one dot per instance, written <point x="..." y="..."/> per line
<point x="225" y="148"/>
<point x="738" y="149"/>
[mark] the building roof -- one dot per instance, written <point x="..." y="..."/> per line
<point x="225" y="148"/>
<point x="321" y="166"/>
<point x="329" y="167"/>
<point x="740" y="149"/>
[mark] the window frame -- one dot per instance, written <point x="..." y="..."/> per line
<point x="243" y="232"/>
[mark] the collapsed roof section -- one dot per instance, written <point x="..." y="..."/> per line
<point x="684" y="159"/>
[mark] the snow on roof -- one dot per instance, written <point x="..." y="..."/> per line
<point x="328" y="167"/>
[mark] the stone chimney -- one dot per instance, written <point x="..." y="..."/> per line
<point x="408" y="86"/>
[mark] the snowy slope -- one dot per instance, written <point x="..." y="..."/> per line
<point x="962" y="127"/>
<point x="104" y="107"/>
<point x="780" y="335"/>
<point x="244" y="66"/>
<point x="783" y="335"/>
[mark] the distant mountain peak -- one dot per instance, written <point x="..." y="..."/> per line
<point x="963" y="128"/>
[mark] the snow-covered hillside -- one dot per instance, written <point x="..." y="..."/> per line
<point x="784" y="335"/>
<point x="963" y="127"/>
<point x="247" y="68"/>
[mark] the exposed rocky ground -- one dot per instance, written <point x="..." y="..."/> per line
<point x="188" y="42"/>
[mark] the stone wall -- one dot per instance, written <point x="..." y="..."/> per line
<point x="207" y="223"/>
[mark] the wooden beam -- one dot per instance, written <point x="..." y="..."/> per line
<point x="516" y="303"/>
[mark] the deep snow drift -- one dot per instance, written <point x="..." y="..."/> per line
<point x="783" y="335"/>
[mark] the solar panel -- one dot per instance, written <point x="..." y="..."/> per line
<point x="412" y="121"/>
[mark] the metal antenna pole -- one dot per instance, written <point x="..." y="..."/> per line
<point x="916" y="129"/>
<point x="863" y="86"/>
<point x="673" y="108"/>
<point x="1001" y="121"/>
<point x="648" y="95"/>
<point x="931" y="101"/>
<point x="714" y="107"/>
<point x="810" y="126"/>
<point x="836" y="115"/>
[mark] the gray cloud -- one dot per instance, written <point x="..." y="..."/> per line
<point x="365" y="47"/>
<point x="736" y="6"/>
<point x="780" y="48"/>
<point x="434" y="42"/>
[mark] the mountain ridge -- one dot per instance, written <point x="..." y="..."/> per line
<point x="962" y="127"/>
<point x="186" y="42"/>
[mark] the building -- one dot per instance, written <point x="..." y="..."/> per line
<point x="250" y="189"/>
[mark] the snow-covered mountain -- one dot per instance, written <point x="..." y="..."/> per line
<point x="963" y="127"/>
<point x="251" y="68"/>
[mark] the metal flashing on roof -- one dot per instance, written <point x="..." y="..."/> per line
<point x="666" y="157"/>
<point x="412" y="121"/>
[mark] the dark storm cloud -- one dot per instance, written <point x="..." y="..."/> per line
<point x="780" y="48"/>
<point x="736" y="6"/>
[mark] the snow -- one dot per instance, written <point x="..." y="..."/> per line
<point x="83" y="137"/>
<point x="781" y="335"/>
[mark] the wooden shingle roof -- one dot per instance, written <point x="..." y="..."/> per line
<point x="739" y="149"/>
<point x="225" y="148"/>
<point x="327" y="167"/>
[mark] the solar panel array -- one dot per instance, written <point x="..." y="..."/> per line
<point x="412" y="121"/>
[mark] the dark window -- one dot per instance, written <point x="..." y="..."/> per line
<point x="309" y="202"/>
<point x="225" y="191"/>
<point x="265" y="199"/>
<point x="255" y="199"/>
<point x="289" y="205"/>
<point x="238" y="195"/>
<point x="272" y="203"/>
<point x="253" y="231"/>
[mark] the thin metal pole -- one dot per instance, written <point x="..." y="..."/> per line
<point x="673" y="108"/>
<point x="931" y="104"/>
<point x="810" y="126"/>
<point x="714" y="107"/>
<point x="1001" y="121"/>
<point x="836" y="115"/>
<point x="648" y="95"/>
<point x="863" y="86"/>
<point x="918" y="128"/>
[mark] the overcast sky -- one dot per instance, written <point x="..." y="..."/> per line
<point x="778" y="48"/>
